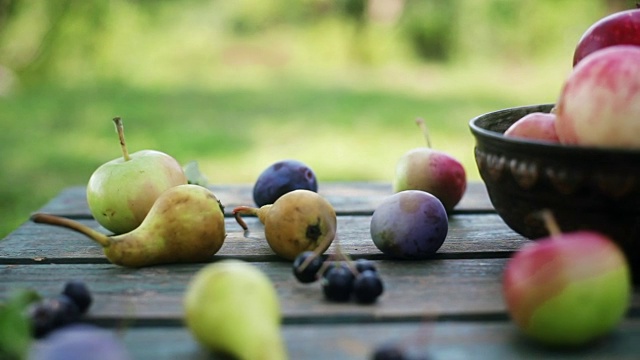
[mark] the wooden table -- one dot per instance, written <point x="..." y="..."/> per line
<point x="450" y="307"/>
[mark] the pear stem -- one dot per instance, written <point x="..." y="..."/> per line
<point x="247" y="210"/>
<point x="98" y="237"/>
<point x="425" y="130"/>
<point x="550" y="223"/>
<point x="123" y="144"/>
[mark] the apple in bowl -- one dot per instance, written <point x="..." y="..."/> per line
<point x="599" y="104"/>
<point x="621" y="28"/>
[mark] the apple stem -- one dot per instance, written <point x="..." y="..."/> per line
<point x="550" y="223"/>
<point x="123" y="145"/>
<point x="98" y="237"/>
<point x="425" y="131"/>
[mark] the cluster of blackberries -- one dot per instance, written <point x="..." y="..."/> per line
<point x="340" y="279"/>
<point x="66" y="308"/>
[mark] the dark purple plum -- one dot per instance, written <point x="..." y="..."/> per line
<point x="80" y="342"/>
<point x="410" y="224"/>
<point x="282" y="177"/>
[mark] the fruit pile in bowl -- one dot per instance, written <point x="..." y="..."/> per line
<point x="580" y="157"/>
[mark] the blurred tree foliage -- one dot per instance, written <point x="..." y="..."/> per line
<point x="40" y="39"/>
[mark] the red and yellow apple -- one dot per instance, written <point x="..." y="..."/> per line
<point x="599" y="104"/>
<point x="535" y="126"/>
<point x="433" y="171"/>
<point x="568" y="289"/>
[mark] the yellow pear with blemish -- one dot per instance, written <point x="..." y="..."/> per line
<point x="300" y="220"/>
<point x="184" y="225"/>
<point x="121" y="192"/>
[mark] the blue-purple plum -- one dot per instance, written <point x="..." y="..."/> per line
<point x="282" y="177"/>
<point x="80" y="342"/>
<point x="409" y="224"/>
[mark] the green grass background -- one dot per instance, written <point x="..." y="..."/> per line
<point x="342" y="103"/>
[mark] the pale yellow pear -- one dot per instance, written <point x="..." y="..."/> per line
<point x="232" y="307"/>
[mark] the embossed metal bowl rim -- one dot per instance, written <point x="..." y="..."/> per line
<point x="481" y="128"/>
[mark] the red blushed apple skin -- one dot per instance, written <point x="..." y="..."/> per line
<point x="622" y="28"/>
<point x="543" y="269"/>
<point x="599" y="104"/>
<point x="535" y="126"/>
<point x="433" y="171"/>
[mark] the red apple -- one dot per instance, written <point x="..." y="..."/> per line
<point x="568" y="289"/>
<point x="621" y="28"/>
<point x="433" y="171"/>
<point x="599" y="104"/>
<point x="535" y="126"/>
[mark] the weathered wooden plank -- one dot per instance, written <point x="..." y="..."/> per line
<point x="414" y="290"/>
<point x="437" y="340"/>
<point x="347" y="198"/>
<point x="469" y="235"/>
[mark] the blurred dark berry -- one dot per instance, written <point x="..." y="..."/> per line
<point x="389" y="352"/>
<point x="332" y="264"/>
<point x="51" y="314"/>
<point x="78" y="292"/>
<point x="310" y="273"/>
<point x="363" y="264"/>
<point x="337" y="283"/>
<point x="367" y="287"/>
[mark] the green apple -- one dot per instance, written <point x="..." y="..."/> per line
<point x="121" y="192"/>
<point x="232" y="307"/>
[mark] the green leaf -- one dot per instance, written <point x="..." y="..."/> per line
<point x="15" y="330"/>
<point x="194" y="175"/>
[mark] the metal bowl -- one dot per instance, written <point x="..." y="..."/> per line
<point x="585" y="188"/>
